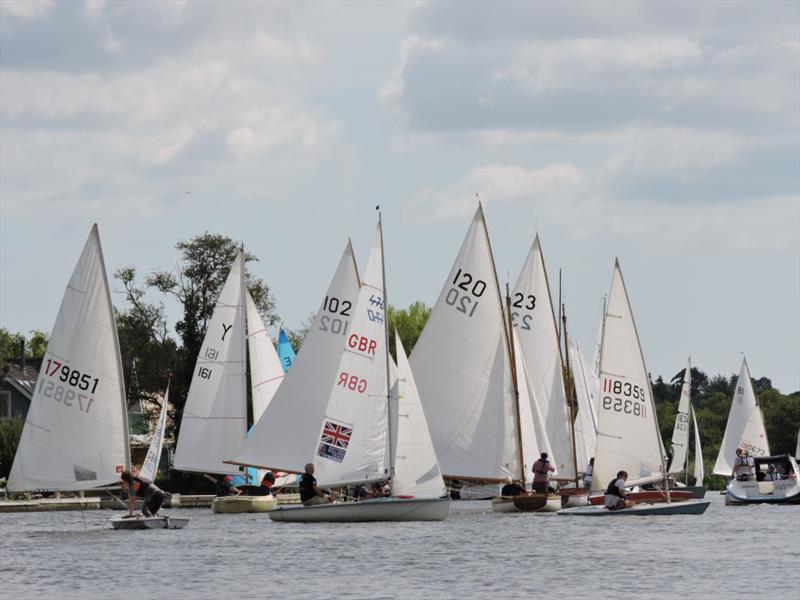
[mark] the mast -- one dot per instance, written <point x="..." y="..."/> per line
<point x="567" y="374"/>
<point x="386" y="346"/>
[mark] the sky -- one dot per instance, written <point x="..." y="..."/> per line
<point x="663" y="133"/>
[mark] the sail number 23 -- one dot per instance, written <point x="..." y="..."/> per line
<point x="465" y="292"/>
<point x="624" y="397"/>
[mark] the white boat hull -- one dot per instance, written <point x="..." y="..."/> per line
<point x="690" y="507"/>
<point x="573" y="499"/>
<point x="142" y="522"/>
<point x="786" y="491"/>
<point x="504" y="504"/>
<point x="379" y="509"/>
<point x="244" y="504"/>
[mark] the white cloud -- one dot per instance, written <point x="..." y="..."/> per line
<point x="27" y="9"/>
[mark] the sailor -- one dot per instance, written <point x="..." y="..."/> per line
<point x="225" y="487"/>
<point x="265" y="489"/>
<point x="741" y="466"/>
<point x="587" y="477"/>
<point x="310" y="492"/>
<point x="541" y="473"/>
<point x="135" y="485"/>
<point x="616" y="497"/>
<point x="512" y="488"/>
<point x="771" y="474"/>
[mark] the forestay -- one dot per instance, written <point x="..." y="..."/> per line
<point x="745" y="428"/>
<point x="462" y="368"/>
<point x="75" y="435"/>
<point x="352" y="443"/>
<point x="215" y="417"/>
<point x="150" y="465"/>
<point x="586" y="420"/>
<point x="416" y="470"/>
<point x="534" y="320"/>
<point x="680" y="433"/>
<point x="289" y="431"/>
<point x="266" y="370"/>
<point x="627" y="430"/>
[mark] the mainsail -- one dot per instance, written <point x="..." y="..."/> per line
<point x="462" y="368"/>
<point x="680" y="433"/>
<point x="215" y="417"/>
<point x="627" y="429"/>
<point x="285" y="351"/>
<point x="150" y="465"/>
<point x="289" y="430"/>
<point x="266" y="370"/>
<point x="745" y="428"/>
<point x="586" y="387"/>
<point x="352" y="444"/>
<point x="699" y="470"/>
<point x="534" y="321"/>
<point x="75" y="435"/>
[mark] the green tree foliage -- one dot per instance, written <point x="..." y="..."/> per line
<point x="409" y="323"/>
<point x="35" y="347"/>
<point x="10" y="432"/>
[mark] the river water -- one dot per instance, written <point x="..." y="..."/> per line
<point x="729" y="552"/>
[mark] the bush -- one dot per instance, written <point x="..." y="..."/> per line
<point x="10" y="432"/>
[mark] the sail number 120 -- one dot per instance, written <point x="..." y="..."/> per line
<point x="464" y="293"/>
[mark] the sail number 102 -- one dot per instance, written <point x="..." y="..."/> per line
<point x="465" y="293"/>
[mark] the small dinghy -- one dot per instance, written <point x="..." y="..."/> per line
<point x="648" y="497"/>
<point x="675" y="508"/>
<point x="244" y="504"/>
<point x="142" y="522"/>
<point x="378" y="509"/>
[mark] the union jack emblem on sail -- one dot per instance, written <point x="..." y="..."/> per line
<point x="334" y="441"/>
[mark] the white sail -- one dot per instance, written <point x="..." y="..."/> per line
<point x="75" y="435"/>
<point x="797" y="450"/>
<point x="745" y="428"/>
<point x="352" y="442"/>
<point x="586" y="420"/>
<point x="416" y="470"/>
<point x="462" y="368"/>
<point x="288" y="432"/>
<point x="214" y="419"/>
<point x="627" y="428"/>
<point x="680" y="433"/>
<point x="531" y="424"/>
<point x="150" y="465"/>
<point x="699" y="469"/>
<point x="266" y="369"/>
<point x="595" y="364"/>
<point x="534" y="321"/>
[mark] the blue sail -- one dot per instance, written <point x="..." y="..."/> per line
<point x="285" y="351"/>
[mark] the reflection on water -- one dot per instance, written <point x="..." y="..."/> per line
<point x="730" y="552"/>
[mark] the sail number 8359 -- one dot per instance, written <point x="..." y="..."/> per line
<point x="465" y="293"/>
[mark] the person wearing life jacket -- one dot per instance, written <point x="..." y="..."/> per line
<point x="512" y="488"/>
<point x="541" y="474"/>
<point x="741" y="466"/>
<point x="616" y="497"/>
<point x="135" y="485"/>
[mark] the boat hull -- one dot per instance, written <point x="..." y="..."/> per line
<point x="141" y="522"/>
<point x="244" y="504"/>
<point x="690" y="507"/>
<point x="381" y="509"/>
<point x="571" y="498"/>
<point x="765" y="492"/>
<point x="648" y="497"/>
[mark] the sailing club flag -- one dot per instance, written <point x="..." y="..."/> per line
<point x="334" y="441"/>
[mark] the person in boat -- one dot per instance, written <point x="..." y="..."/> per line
<point x="135" y="485"/>
<point x="616" y="497"/>
<point x="771" y="474"/>
<point x="541" y="474"/>
<point x="587" y="476"/>
<point x="265" y="489"/>
<point x="225" y="487"/>
<point x="360" y="492"/>
<point x="310" y="492"/>
<point x="379" y="489"/>
<point x="512" y="488"/>
<point x="741" y="466"/>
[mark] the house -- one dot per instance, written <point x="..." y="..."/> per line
<point x="16" y="389"/>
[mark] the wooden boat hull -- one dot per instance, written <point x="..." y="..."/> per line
<point x="527" y="503"/>
<point x="504" y="504"/>
<point x="689" y="507"/>
<point x="648" y="497"/>
<point x="786" y="491"/>
<point x="141" y="522"/>
<point x="244" y="504"/>
<point x="379" y="509"/>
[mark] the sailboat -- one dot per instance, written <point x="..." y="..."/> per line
<point x="586" y="388"/>
<point x="680" y="439"/>
<point x="628" y="436"/>
<point x="150" y="465"/>
<point x="75" y="435"/>
<point x="472" y="376"/>
<point x="373" y="428"/>
<point x="745" y="430"/>
<point x="214" y="422"/>
<point x="285" y="351"/>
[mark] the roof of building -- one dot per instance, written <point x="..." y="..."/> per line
<point x="23" y="379"/>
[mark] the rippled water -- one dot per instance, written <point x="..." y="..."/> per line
<point x="730" y="552"/>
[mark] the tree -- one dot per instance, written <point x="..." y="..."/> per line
<point x="10" y="432"/>
<point x="409" y="323"/>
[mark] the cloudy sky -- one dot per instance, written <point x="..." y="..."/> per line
<point x="667" y="134"/>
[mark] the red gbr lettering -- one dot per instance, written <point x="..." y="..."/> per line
<point x="362" y="344"/>
<point x="352" y="382"/>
